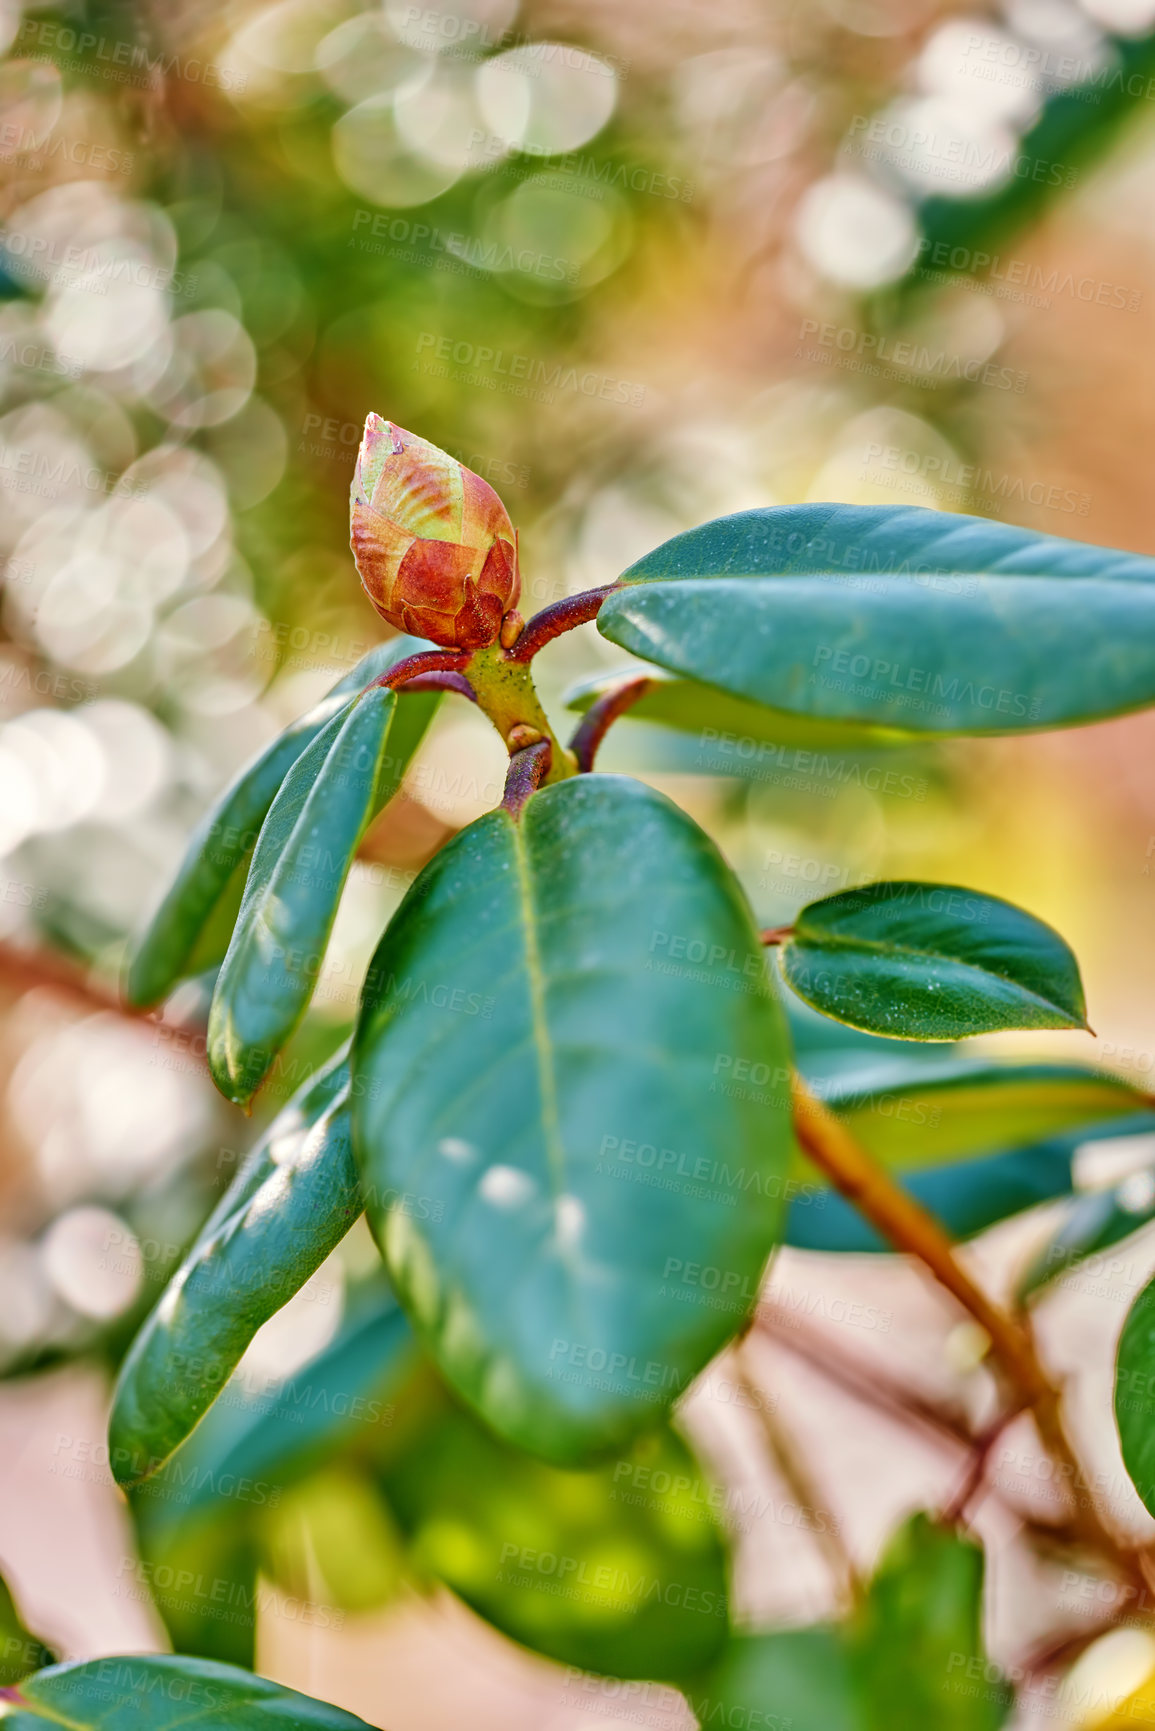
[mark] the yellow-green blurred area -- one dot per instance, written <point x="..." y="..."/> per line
<point x="638" y="265"/>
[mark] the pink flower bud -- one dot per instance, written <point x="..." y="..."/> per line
<point x="433" y="543"/>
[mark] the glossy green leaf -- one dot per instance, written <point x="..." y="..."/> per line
<point x="896" y="617"/>
<point x="923" y="1113"/>
<point x="1091" y="1225"/>
<point x="916" y="1644"/>
<point x="923" y="961"/>
<point x="618" y="1569"/>
<point x="160" y="1693"/>
<point x="1135" y="1395"/>
<point x="718" y="717"/>
<point x="301" y="861"/>
<point x="20" y="1651"/>
<point x="525" y="1029"/>
<point x="796" y="1678"/>
<point x="910" y="1658"/>
<point x="292" y="1201"/>
<point x="332" y="1542"/>
<point x="201" y="1579"/>
<point x="211" y="875"/>
<point x="270" y="1436"/>
<point x="966" y="1196"/>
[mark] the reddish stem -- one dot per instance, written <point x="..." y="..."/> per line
<point x="559" y="616"/>
<point x="600" y="717"/>
<point x="446" y="680"/>
<point x="527" y="769"/>
<point x="425" y="661"/>
<point x="775" y="935"/>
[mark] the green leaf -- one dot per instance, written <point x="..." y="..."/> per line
<point x="917" y="1647"/>
<point x="160" y="1693"/>
<point x="552" y="992"/>
<point x="910" y="1658"/>
<point x="923" y="1113"/>
<point x="20" y="1651"/>
<point x="333" y="1540"/>
<point x="215" y="1554"/>
<point x="292" y="1201"/>
<point x="225" y="838"/>
<point x="300" y="864"/>
<point x="618" y="1569"/>
<point x="1092" y="1224"/>
<point x="796" y="1678"/>
<point x="711" y="714"/>
<point x="271" y="1437"/>
<point x="931" y="962"/>
<point x="966" y="1196"/>
<point x="1135" y="1395"/>
<point x="897" y="617"/>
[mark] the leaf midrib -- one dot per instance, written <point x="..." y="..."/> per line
<point x="543" y="1048"/>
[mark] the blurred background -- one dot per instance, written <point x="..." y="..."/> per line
<point x="638" y="265"/>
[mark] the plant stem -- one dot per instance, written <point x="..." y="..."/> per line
<point x="910" y="1228"/>
<point x="559" y="616"/>
<point x="527" y="770"/>
<point x="506" y="693"/>
<point x="793" y="1469"/>
<point x="772" y="935"/>
<point x="600" y="717"/>
<point x="425" y="661"/>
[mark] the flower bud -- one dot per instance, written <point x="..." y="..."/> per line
<point x="434" y="546"/>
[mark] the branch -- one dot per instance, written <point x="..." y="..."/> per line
<point x="911" y="1229"/>
<point x="796" y="1473"/>
<point x="527" y="769"/>
<point x="559" y="616"/>
<point x="25" y="968"/>
<point x="447" y="680"/>
<point x="425" y="661"/>
<point x="600" y="717"/>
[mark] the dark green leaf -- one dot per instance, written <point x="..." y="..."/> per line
<point x="711" y="714"/>
<point x="301" y="862"/>
<point x="554" y="992"/>
<point x="20" y="1651"/>
<point x="931" y="962"/>
<point x="956" y="629"/>
<point x="333" y="1539"/>
<point x="1091" y="1224"/>
<point x="201" y="1578"/>
<point x="618" y="1569"/>
<point x="910" y="1659"/>
<point x="967" y="1197"/>
<point x="917" y="1647"/>
<point x="160" y="1693"/>
<point x="1135" y="1395"/>
<point x="797" y="1679"/>
<point x="225" y="837"/>
<point x="293" y="1200"/>
<point x="271" y="1436"/>
<point x="923" y="1113"/>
